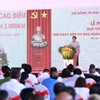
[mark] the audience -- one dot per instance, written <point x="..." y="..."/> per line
<point x="37" y="97"/>
<point x="6" y="75"/>
<point x="81" y="88"/>
<point x="13" y="84"/>
<point x="24" y="83"/>
<point x="28" y="69"/>
<point x="4" y="95"/>
<point x="68" y="93"/>
<point x="26" y="94"/>
<point x="4" y="70"/>
<point x="50" y="82"/>
<point x="71" y="81"/>
<point x="95" y="89"/>
<point x="65" y="75"/>
<point x="94" y="97"/>
<point x="44" y="75"/>
<point x="70" y="67"/>
<point x="58" y="87"/>
<point x="92" y="70"/>
<point x="23" y="80"/>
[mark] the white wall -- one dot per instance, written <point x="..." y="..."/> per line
<point x="30" y="4"/>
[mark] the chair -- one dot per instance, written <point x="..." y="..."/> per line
<point x="16" y="98"/>
<point x="42" y="90"/>
<point x="78" y="97"/>
<point x="12" y="93"/>
<point x="90" y="82"/>
<point x="69" y="83"/>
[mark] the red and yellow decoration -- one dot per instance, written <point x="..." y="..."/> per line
<point x="67" y="52"/>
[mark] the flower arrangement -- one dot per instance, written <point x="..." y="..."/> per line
<point x="67" y="52"/>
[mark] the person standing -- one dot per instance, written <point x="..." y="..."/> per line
<point x="76" y="45"/>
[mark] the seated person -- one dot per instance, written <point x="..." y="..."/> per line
<point x="81" y="88"/>
<point x="44" y="75"/>
<point x="4" y="95"/>
<point x="23" y="80"/>
<point x="68" y="93"/>
<point x="50" y="82"/>
<point x="13" y="84"/>
<point x="26" y="94"/>
<point x="7" y="76"/>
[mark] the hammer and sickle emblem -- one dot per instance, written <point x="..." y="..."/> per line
<point x="34" y="15"/>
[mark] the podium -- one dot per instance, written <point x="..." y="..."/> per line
<point x="67" y="62"/>
<point x="70" y="61"/>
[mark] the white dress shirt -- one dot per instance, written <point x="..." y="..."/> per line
<point x="14" y="85"/>
<point x="27" y="85"/>
<point x="71" y="81"/>
<point x="83" y="92"/>
<point x="32" y="78"/>
<point x="73" y="78"/>
<point x="43" y="76"/>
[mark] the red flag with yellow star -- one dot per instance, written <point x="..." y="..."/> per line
<point x="39" y="39"/>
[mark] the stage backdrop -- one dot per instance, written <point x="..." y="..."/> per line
<point x="58" y="26"/>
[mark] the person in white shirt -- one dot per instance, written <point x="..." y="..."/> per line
<point x="27" y="68"/>
<point x="65" y="75"/>
<point x="4" y="69"/>
<point x="44" y="75"/>
<point x="13" y="84"/>
<point x="81" y="88"/>
<point x="92" y="70"/>
<point x="71" y="80"/>
<point x="23" y="80"/>
<point x="76" y="45"/>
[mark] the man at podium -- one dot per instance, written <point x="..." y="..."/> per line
<point x="76" y="45"/>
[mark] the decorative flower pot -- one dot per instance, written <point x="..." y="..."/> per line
<point x="67" y="62"/>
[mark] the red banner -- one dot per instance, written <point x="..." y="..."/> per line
<point x="39" y="34"/>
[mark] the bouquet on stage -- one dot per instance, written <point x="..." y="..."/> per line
<point x="68" y="53"/>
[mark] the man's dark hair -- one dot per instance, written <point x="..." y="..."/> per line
<point x="95" y="89"/>
<point x="37" y="97"/>
<point x="70" y="67"/>
<point x="77" y="71"/>
<point x="5" y="69"/>
<point x="92" y="71"/>
<point x="53" y="69"/>
<point x="65" y="73"/>
<point x="46" y="70"/>
<point x="26" y="94"/>
<point x="74" y="37"/>
<point x="15" y="73"/>
<point x="92" y="66"/>
<point x="58" y="88"/>
<point x="80" y="82"/>
<point x="70" y="91"/>
<point x="53" y="73"/>
<point x="3" y="95"/>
